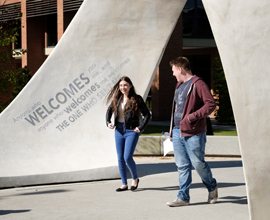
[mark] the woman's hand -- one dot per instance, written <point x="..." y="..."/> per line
<point x="136" y="130"/>
<point x="110" y="126"/>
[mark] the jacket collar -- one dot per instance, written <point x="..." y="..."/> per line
<point x="194" y="79"/>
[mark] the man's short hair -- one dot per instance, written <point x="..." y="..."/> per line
<point x="182" y="62"/>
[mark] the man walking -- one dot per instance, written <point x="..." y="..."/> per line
<point x="192" y="103"/>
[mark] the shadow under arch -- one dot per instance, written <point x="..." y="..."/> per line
<point x="151" y="169"/>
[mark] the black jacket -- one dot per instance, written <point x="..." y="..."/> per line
<point x="131" y="121"/>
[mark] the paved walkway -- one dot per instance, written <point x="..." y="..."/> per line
<point x="158" y="184"/>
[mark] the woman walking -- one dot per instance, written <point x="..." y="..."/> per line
<point x="127" y="107"/>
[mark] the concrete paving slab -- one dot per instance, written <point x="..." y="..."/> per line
<point x="158" y="184"/>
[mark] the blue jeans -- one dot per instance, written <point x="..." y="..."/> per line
<point x="126" y="141"/>
<point x="188" y="152"/>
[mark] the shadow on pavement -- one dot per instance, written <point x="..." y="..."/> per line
<point x="225" y="164"/>
<point x="6" y="212"/>
<point x="150" y="169"/>
<point x="220" y="185"/>
<point x="36" y="192"/>
<point x="236" y="199"/>
<point x="242" y="200"/>
<point x="194" y="186"/>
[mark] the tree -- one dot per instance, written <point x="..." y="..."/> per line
<point x="224" y="113"/>
<point x="12" y="79"/>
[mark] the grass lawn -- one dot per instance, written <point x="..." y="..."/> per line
<point x="156" y="130"/>
<point x="224" y="133"/>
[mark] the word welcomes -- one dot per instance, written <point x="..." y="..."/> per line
<point x="77" y="98"/>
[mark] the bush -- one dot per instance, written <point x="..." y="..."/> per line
<point x="12" y="80"/>
<point x="14" y="84"/>
<point x="224" y="114"/>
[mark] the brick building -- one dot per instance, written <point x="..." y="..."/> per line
<point x="44" y="22"/>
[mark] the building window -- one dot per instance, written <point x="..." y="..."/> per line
<point x="51" y="30"/>
<point x="195" y="21"/>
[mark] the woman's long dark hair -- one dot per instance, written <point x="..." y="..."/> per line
<point x="115" y="94"/>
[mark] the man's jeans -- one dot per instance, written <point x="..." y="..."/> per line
<point x="126" y="141"/>
<point x="188" y="152"/>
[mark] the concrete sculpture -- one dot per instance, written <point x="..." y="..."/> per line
<point x="55" y="130"/>
<point x="242" y="32"/>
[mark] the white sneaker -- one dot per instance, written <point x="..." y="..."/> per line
<point x="213" y="196"/>
<point x="177" y="202"/>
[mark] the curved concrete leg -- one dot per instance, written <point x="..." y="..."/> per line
<point x="55" y="130"/>
<point x="242" y="33"/>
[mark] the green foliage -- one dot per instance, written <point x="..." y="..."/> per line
<point x="12" y="80"/>
<point x="225" y="132"/>
<point x="155" y="130"/>
<point x="13" y="84"/>
<point x="224" y="114"/>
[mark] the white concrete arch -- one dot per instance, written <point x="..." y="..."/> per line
<point x="55" y="131"/>
<point x="64" y="138"/>
<point x="242" y="32"/>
